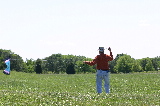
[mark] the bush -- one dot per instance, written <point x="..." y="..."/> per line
<point x="70" y="69"/>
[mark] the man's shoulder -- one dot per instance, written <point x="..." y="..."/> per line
<point x="98" y="56"/>
<point x="102" y="55"/>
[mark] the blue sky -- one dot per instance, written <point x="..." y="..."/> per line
<point x="39" y="28"/>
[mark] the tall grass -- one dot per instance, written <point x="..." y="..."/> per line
<point x="78" y="90"/>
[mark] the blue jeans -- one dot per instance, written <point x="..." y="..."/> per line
<point x="102" y="75"/>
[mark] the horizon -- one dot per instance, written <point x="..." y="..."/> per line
<point x="73" y="55"/>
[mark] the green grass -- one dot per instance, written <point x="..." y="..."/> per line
<point x="23" y="89"/>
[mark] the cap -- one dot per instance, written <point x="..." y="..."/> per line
<point x="101" y="49"/>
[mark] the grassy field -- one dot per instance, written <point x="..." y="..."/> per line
<point x="23" y="89"/>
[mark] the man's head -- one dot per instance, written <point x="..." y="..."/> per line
<point x="101" y="49"/>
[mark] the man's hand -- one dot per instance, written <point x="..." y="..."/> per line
<point x="109" y="49"/>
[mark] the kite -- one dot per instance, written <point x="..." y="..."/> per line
<point x="7" y="70"/>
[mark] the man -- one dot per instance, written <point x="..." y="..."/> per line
<point x="102" y="69"/>
<point x="7" y="70"/>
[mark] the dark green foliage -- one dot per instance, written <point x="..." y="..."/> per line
<point x="57" y="63"/>
<point x="155" y="63"/>
<point x="70" y="69"/>
<point x="143" y="63"/>
<point x="113" y="63"/>
<point x="88" y="69"/>
<point x="124" y="64"/>
<point x="147" y="64"/>
<point x="3" y="55"/>
<point x="38" y="68"/>
<point x="16" y="61"/>
<point x="30" y="66"/>
<point x="136" y="67"/>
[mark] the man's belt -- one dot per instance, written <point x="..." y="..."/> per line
<point x="104" y="70"/>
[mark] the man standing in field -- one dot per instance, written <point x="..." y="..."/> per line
<point x="101" y="61"/>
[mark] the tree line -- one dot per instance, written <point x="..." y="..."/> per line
<point x="125" y="63"/>
<point x="71" y="64"/>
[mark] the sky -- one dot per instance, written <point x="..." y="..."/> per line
<point x="39" y="28"/>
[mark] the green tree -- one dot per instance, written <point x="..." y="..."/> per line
<point x="56" y="63"/>
<point x="38" y="68"/>
<point x="155" y="63"/>
<point x="143" y="63"/>
<point x="124" y="64"/>
<point x="17" y="62"/>
<point x="112" y="63"/>
<point x="30" y="66"/>
<point x="158" y="65"/>
<point x="70" y="69"/>
<point x="149" y="66"/>
<point x="146" y="64"/>
<point x="136" y="67"/>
